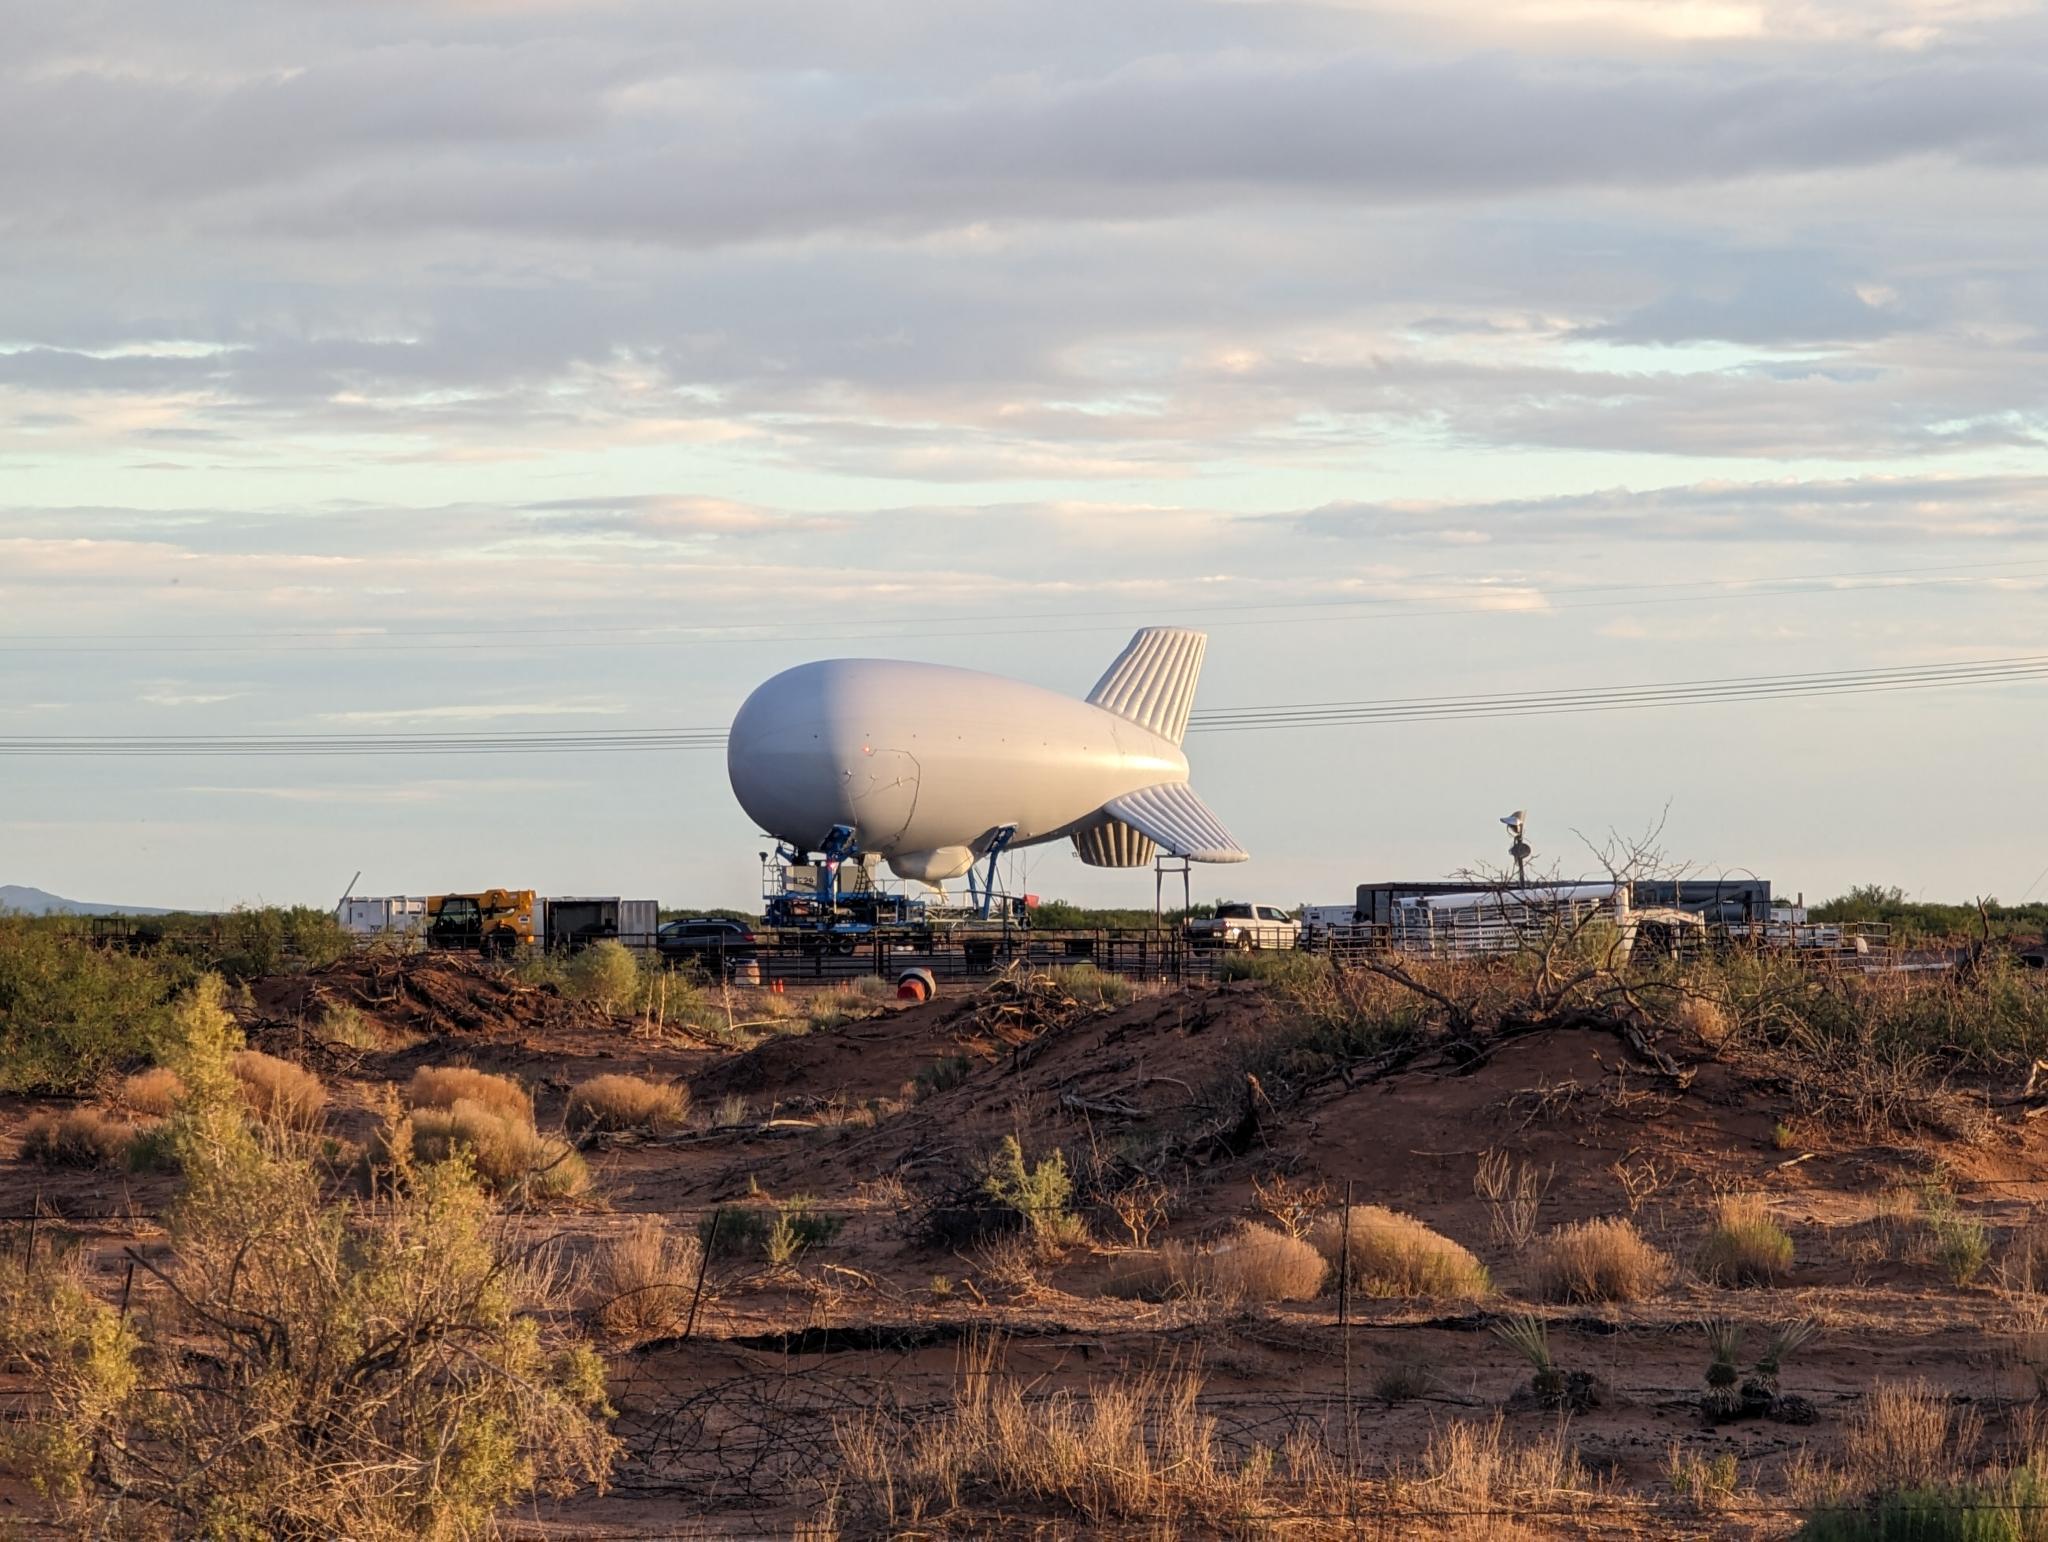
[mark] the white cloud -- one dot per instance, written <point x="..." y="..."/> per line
<point x="515" y="362"/>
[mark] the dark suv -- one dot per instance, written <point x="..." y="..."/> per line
<point x="716" y="946"/>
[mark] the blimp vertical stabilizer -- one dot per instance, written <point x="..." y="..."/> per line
<point x="936" y="768"/>
<point x="1153" y="680"/>
<point x="1152" y="684"/>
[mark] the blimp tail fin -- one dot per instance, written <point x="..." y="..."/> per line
<point x="1112" y="843"/>
<point x="1153" y="680"/>
<point x="1178" y="821"/>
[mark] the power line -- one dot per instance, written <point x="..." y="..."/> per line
<point x="1332" y="714"/>
<point x="1617" y="698"/>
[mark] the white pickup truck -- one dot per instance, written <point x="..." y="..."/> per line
<point x="1245" y="927"/>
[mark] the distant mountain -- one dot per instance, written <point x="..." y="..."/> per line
<point x="40" y="902"/>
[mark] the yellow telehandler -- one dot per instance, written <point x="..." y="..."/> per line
<point x="494" y="922"/>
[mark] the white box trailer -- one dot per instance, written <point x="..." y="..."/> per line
<point x="567" y="922"/>
<point x="1319" y="921"/>
<point x="372" y="917"/>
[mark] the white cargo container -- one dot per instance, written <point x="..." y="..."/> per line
<point x="371" y="917"/>
<point x="569" y="921"/>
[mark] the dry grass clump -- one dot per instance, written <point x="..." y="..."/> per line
<point x="1704" y="1018"/>
<point x="1134" y="1447"/>
<point x="443" y="1086"/>
<point x="1903" y="1437"/>
<point x="1513" y="1192"/>
<point x="1137" y="1448"/>
<point x="1011" y="1263"/>
<point x="645" y="1279"/>
<point x="341" y="1023"/>
<point x="1601" y="1260"/>
<point x="1476" y="1466"/>
<point x="855" y="1000"/>
<point x="1173" y="1271"/>
<point x="2025" y="1265"/>
<point x="1744" y="1245"/>
<point x="1253" y="1263"/>
<point x="616" y="1102"/>
<point x="1092" y="986"/>
<point x="509" y="1155"/>
<point x="1258" y="1263"/>
<point x="78" y="1137"/>
<point x="153" y="1093"/>
<point x="281" y="1093"/>
<point x="1396" y="1255"/>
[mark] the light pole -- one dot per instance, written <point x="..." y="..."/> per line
<point x="1517" y="823"/>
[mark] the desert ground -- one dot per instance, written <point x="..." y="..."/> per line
<point x="832" y="1299"/>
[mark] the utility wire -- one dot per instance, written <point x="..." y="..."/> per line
<point x="1613" y="698"/>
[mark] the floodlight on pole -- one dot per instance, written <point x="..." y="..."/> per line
<point x="1518" y="848"/>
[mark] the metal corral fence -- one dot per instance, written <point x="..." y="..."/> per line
<point x="1477" y="932"/>
<point x="793" y="956"/>
<point x="811" y="958"/>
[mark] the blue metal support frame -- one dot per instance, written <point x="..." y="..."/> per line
<point x="985" y="896"/>
<point x="839" y="845"/>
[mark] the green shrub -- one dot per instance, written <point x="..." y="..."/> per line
<point x="69" y="1013"/>
<point x="379" y="1369"/>
<point x="1961" y="1244"/>
<point x="774" y="1232"/>
<point x="1744" y="1245"/>
<point x="2011" y="1508"/>
<point x="1039" y="1192"/>
<point x="607" y="975"/>
<point x="735" y="1231"/>
<point x="1282" y="967"/>
<point x="1093" y="986"/>
<point x="943" y="1075"/>
<point x="1962" y="1247"/>
<point x="271" y="940"/>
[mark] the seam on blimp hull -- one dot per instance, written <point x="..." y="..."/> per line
<point x="882" y="843"/>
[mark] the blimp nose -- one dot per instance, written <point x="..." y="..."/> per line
<point x="801" y="764"/>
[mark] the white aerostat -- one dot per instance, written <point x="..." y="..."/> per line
<point x="934" y="767"/>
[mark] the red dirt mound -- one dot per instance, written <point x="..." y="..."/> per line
<point x="1027" y="1060"/>
<point x="422" y="995"/>
<point x="1170" y="1083"/>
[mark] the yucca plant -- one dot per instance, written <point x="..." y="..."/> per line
<point x="1787" y="1339"/>
<point x="1760" y="1391"/>
<point x="1724" y="1346"/>
<point x="1529" y="1337"/>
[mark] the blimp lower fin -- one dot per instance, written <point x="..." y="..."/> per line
<point x="1153" y="680"/>
<point x="1112" y="843"/>
<point x="1179" y="821"/>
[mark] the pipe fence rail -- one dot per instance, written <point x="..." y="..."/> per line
<point x="826" y="958"/>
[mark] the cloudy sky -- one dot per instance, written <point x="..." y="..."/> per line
<point x="519" y="364"/>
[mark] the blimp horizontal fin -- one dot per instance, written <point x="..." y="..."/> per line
<point x="1153" y="680"/>
<point x="1179" y="821"/>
